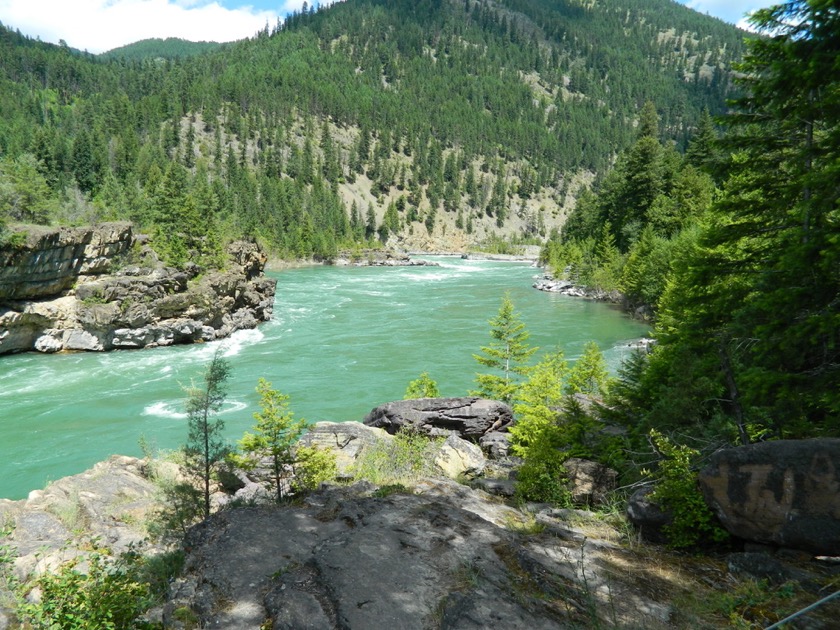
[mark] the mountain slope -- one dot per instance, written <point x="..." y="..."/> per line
<point x="156" y="48"/>
<point x="444" y="121"/>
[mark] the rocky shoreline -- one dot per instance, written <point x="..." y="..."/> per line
<point x="566" y="287"/>
<point x="100" y="288"/>
<point x="375" y="258"/>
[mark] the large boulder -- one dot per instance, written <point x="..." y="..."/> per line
<point x="346" y="440"/>
<point x="648" y="516"/>
<point x="589" y="482"/>
<point x="458" y="458"/>
<point x="785" y="492"/>
<point x="467" y="417"/>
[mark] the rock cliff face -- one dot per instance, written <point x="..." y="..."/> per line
<point x="58" y="292"/>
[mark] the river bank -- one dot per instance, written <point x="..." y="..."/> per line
<point x="103" y="288"/>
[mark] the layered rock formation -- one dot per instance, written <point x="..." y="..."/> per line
<point x="72" y="289"/>
<point x="470" y="417"/>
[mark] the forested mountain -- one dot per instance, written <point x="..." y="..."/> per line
<point x="436" y="122"/>
<point x="156" y="48"/>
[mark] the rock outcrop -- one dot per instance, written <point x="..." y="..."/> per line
<point x="52" y="259"/>
<point x="58" y="292"/>
<point x="590" y="483"/>
<point x="444" y="557"/>
<point x="438" y="554"/>
<point x="469" y="417"/>
<point x="380" y="258"/>
<point x="105" y="506"/>
<point x="785" y="493"/>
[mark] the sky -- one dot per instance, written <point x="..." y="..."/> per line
<point x="100" y="25"/>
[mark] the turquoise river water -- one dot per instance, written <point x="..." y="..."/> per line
<point x="342" y="340"/>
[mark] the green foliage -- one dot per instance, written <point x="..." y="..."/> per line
<point x="538" y="403"/>
<point x="205" y="446"/>
<point x="314" y="466"/>
<point x="756" y="603"/>
<point x="274" y="437"/>
<point x="25" y="195"/>
<point x="103" y="596"/>
<point x="676" y="490"/>
<point x="402" y="460"/>
<point x="156" y="48"/>
<point x="507" y="353"/>
<point x="542" y="477"/>
<point x="748" y="328"/>
<point x="422" y="387"/>
<point x="589" y="374"/>
<point x="182" y="506"/>
<point x="253" y="123"/>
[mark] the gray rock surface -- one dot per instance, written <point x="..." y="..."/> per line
<point x="496" y="444"/>
<point x="458" y="459"/>
<point x="105" y="506"/>
<point x="345" y="439"/>
<point x="647" y="516"/>
<point x="444" y="558"/>
<point x="589" y="482"/>
<point x="468" y="417"/>
<point x="785" y="492"/>
<point x="57" y="293"/>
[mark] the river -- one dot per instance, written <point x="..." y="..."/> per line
<point x="342" y="340"/>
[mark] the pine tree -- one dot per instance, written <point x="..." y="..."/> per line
<point x="507" y="353"/>
<point x="423" y="387"/>
<point x="205" y="445"/>
<point x="749" y="319"/>
<point x="538" y="403"/>
<point x="275" y="435"/>
<point x="589" y="374"/>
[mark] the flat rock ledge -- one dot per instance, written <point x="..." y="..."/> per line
<point x="59" y="291"/>
<point x="444" y="556"/>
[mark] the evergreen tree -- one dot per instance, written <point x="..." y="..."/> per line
<point x="275" y="435"/>
<point x="755" y="302"/>
<point x="589" y="374"/>
<point x="205" y="445"/>
<point x="507" y="353"/>
<point x="538" y="403"/>
<point x="422" y="387"/>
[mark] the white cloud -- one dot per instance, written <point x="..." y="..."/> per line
<point x="100" y="25"/>
<point x="733" y="11"/>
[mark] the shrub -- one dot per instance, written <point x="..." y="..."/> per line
<point x="542" y="478"/>
<point x="677" y="492"/>
<point x="107" y="596"/>
<point x="314" y="466"/>
<point x="403" y="460"/>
